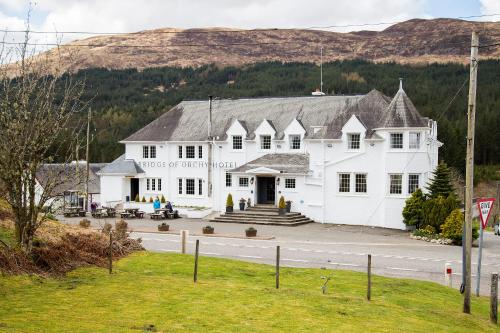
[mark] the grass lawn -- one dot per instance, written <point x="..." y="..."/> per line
<point x="231" y="296"/>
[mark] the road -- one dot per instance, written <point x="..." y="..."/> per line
<point x="393" y="254"/>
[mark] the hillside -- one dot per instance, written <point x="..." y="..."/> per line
<point x="415" y="41"/>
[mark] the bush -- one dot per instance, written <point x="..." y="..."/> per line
<point x="121" y="228"/>
<point x="282" y="204"/>
<point x="143" y="199"/>
<point x="84" y="223"/>
<point x="162" y="200"/>
<point x="412" y="212"/>
<point x="229" y="201"/>
<point x="453" y="226"/>
<point x="151" y="199"/>
<point x="137" y="199"/>
<point x="435" y="211"/>
<point x="441" y="182"/>
<point x="106" y="229"/>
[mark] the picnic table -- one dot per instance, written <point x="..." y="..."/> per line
<point x="74" y="212"/>
<point x="132" y="213"/>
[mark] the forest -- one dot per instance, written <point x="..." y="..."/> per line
<point x="123" y="101"/>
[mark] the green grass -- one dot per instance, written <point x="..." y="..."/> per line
<point x="231" y="296"/>
<point x="7" y="236"/>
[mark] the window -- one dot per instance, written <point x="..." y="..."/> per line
<point x="229" y="179"/>
<point x="190" y="186"/>
<point x="414" y="140"/>
<point x="397" y="140"/>
<point x="179" y="149"/>
<point x="265" y="142"/>
<point x="395" y="184"/>
<point x="353" y="141"/>
<point x="200" y="186"/>
<point x="294" y="141"/>
<point x="148" y="187"/>
<point x="360" y="183"/>
<point x="152" y="152"/>
<point x="180" y="185"/>
<point x="344" y="182"/>
<point x="237" y="142"/>
<point x="200" y="151"/>
<point x="289" y="182"/>
<point x="159" y="184"/>
<point x="145" y="151"/>
<point x="413" y="182"/>
<point x="153" y="184"/>
<point x="189" y="151"/>
<point x="243" y="181"/>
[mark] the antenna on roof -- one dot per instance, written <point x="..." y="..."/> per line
<point x="319" y="92"/>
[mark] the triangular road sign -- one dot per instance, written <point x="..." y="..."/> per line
<point x="484" y="206"/>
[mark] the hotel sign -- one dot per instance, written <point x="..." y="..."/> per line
<point x="187" y="164"/>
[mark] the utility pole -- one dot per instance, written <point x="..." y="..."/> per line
<point x="87" y="174"/>
<point x="210" y="142"/>
<point x="469" y="170"/>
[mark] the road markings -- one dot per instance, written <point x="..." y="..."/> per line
<point x="402" y="269"/>
<point x="344" y="264"/>
<point x="295" y="260"/>
<point x="211" y="253"/>
<point x="168" y="250"/>
<point x="252" y="257"/>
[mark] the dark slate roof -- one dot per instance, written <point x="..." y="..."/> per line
<point x="122" y="166"/>
<point x="188" y="120"/>
<point x="284" y="163"/>
<point x="66" y="177"/>
<point x="402" y="113"/>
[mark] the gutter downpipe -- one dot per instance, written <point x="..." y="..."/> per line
<point x="209" y="140"/>
<point x="324" y="182"/>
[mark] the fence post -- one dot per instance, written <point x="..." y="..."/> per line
<point x="447" y="274"/>
<point x="110" y="253"/>
<point x="195" y="278"/>
<point x="369" y="270"/>
<point x="494" y="298"/>
<point x="184" y="235"/>
<point x="277" y="267"/>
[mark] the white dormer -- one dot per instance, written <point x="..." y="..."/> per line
<point x="353" y="135"/>
<point x="264" y="136"/>
<point x="294" y="137"/>
<point x="236" y="135"/>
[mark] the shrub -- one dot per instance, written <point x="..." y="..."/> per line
<point x="282" y="204"/>
<point x="84" y="223"/>
<point x="441" y="182"/>
<point x="427" y="231"/>
<point x="162" y="200"/>
<point x="435" y="211"/>
<point x="412" y="212"/>
<point x="143" y="199"/>
<point x="229" y="201"/>
<point x="151" y="199"/>
<point x="453" y="226"/>
<point x="121" y="228"/>
<point x="106" y="229"/>
<point x="137" y="199"/>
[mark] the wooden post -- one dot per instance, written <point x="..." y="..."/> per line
<point x="110" y="254"/>
<point x="277" y="267"/>
<point x="195" y="278"/>
<point x="184" y="234"/>
<point x="369" y="289"/>
<point x="494" y="298"/>
<point x="469" y="167"/>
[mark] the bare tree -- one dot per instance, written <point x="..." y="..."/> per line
<point x="39" y="109"/>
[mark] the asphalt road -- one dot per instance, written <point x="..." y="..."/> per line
<point x="393" y="254"/>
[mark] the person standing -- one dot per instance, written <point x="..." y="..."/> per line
<point x="156" y="204"/>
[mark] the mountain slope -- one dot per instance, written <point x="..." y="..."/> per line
<point x="415" y="42"/>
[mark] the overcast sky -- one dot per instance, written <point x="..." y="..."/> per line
<point x="134" y="15"/>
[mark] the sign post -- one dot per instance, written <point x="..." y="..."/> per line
<point x="484" y="207"/>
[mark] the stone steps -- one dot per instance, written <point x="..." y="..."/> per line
<point x="262" y="215"/>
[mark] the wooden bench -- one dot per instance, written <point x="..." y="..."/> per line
<point x="124" y="215"/>
<point x="140" y="214"/>
<point x="156" y="216"/>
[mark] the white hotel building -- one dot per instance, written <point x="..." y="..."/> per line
<point x="339" y="159"/>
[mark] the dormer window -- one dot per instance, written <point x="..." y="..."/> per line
<point x="414" y="140"/>
<point x="148" y="151"/>
<point x="237" y="142"/>
<point x="265" y="142"/>
<point x="294" y="142"/>
<point x="396" y="141"/>
<point x="353" y="141"/>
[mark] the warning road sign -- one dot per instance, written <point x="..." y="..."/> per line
<point x="484" y="206"/>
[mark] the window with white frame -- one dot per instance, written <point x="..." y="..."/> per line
<point x="344" y="182"/>
<point x="200" y="186"/>
<point x="189" y="151"/>
<point x="396" y="140"/>
<point x="294" y="141"/>
<point x="289" y="182"/>
<point x="414" y="140"/>
<point x="413" y="182"/>
<point x="395" y="184"/>
<point x="153" y="184"/>
<point x="152" y="151"/>
<point x="200" y="152"/>
<point x="179" y="151"/>
<point x="353" y="141"/>
<point x="190" y="189"/>
<point x="237" y="142"/>
<point x="158" y="182"/>
<point x="243" y="181"/>
<point x="180" y="185"/>
<point x="229" y="179"/>
<point x="148" y="184"/>
<point x="265" y="142"/>
<point x="360" y="185"/>
<point x="145" y="151"/>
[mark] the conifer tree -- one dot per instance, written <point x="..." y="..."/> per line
<point x="441" y="182"/>
<point x="412" y="212"/>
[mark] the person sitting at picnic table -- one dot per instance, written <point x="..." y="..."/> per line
<point x="170" y="209"/>
<point x="93" y="207"/>
<point x="156" y="204"/>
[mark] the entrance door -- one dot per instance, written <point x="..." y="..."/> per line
<point x="134" y="188"/>
<point x="265" y="190"/>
